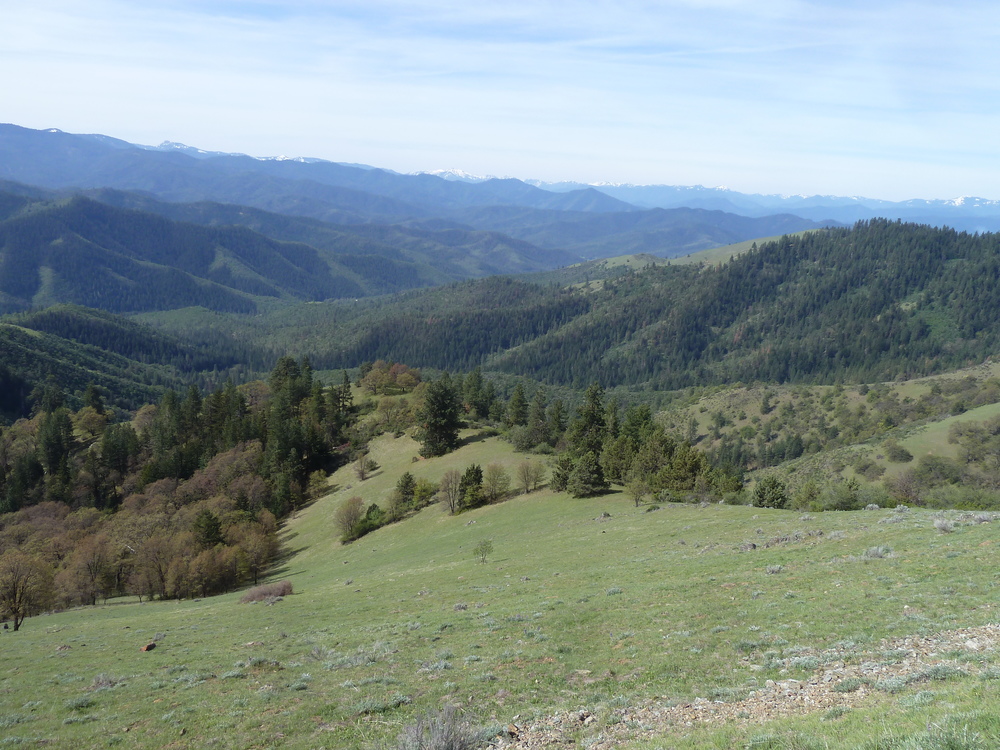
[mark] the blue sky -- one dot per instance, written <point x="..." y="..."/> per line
<point x="883" y="99"/>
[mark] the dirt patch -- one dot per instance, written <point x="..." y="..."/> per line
<point x="847" y="678"/>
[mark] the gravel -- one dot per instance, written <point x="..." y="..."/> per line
<point x="915" y="659"/>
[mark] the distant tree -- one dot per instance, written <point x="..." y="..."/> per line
<point x="406" y="486"/>
<point x="636" y="487"/>
<point x="207" y="529"/>
<point x="562" y="467"/>
<point x="537" y="426"/>
<point x="496" y="483"/>
<point x="529" y="475"/>
<point x="517" y="407"/>
<point x="586" y="479"/>
<point x="471" y="487"/>
<point x="364" y="466"/>
<point x="897" y="453"/>
<point x="93" y="398"/>
<point x="555" y="417"/>
<point x="439" y="417"/>
<point x="25" y="586"/>
<point x="483" y="550"/>
<point x="477" y="398"/>
<point x="89" y="571"/>
<point x="451" y="490"/>
<point x="770" y="493"/>
<point x="318" y="485"/>
<point x="589" y="428"/>
<point x="349" y="516"/>
<point x="424" y="492"/>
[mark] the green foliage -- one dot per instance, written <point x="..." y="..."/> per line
<point x="483" y="550"/>
<point x="897" y="453"/>
<point x="207" y="529"/>
<point x="439" y="417"/>
<point x="770" y="492"/>
<point x="586" y="478"/>
<point x="470" y="487"/>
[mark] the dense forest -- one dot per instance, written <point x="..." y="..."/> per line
<point x="185" y="497"/>
<point x="131" y="363"/>
<point x="879" y="301"/>
<point x="182" y="499"/>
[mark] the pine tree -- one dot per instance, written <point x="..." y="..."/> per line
<point x="588" y="430"/>
<point x="587" y="478"/>
<point x="517" y="407"/>
<point x="439" y="418"/>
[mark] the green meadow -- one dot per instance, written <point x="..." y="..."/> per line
<point x="583" y="604"/>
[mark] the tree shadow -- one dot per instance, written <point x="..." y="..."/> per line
<point x="478" y="437"/>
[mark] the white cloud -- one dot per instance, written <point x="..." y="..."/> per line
<point x="782" y="96"/>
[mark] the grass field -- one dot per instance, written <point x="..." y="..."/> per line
<point x="574" y="609"/>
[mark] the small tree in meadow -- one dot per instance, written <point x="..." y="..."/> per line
<point x="349" y="516"/>
<point x="530" y="474"/>
<point x="496" y="483"/>
<point x="483" y="550"/>
<point x="586" y="479"/>
<point x="451" y="490"/>
<point x="364" y="466"/>
<point x="770" y="492"/>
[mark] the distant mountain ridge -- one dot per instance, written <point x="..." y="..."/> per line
<point x="129" y="253"/>
<point x="351" y="194"/>
<point x="965" y="213"/>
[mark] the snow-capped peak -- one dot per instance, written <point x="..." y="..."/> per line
<point x="458" y="175"/>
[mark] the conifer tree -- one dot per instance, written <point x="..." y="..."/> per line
<point x="439" y="417"/>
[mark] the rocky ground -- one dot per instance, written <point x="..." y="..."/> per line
<point x="846" y="678"/>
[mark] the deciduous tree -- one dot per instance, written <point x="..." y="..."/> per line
<point x="25" y="586"/>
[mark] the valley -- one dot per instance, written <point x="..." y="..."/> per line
<point x="303" y="454"/>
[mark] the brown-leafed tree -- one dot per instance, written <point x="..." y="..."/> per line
<point x="25" y="586"/>
<point x="349" y="515"/>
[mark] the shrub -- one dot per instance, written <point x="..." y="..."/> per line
<point x="897" y="453"/>
<point x="438" y="731"/>
<point x="770" y="492"/>
<point x="349" y="516"/>
<point x="944" y="525"/>
<point x="267" y="592"/>
<point x="483" y="550"/>
<point x="877" y="553"/>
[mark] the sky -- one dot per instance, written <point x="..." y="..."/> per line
<point x="889" y="100"/>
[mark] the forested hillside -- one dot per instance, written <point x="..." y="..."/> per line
<point x="130" y="363"/>
<point x="879" y="301"/>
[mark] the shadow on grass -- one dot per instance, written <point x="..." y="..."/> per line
<point x="478" y="437"/>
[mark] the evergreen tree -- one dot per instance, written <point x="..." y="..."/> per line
<point x="406" y="487"/>
<point x="207" y="529"/>
<point x="439" y="417"/>
<point x="589" y="428"/>
<point x="587" y="478"/>
<point x="517" y="407"/>
<point x="470" y="487"/>
<point x="538" y="428"/>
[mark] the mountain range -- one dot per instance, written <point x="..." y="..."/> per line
<point x="583" y="222"/>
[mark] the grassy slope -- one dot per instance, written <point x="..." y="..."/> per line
<point x="571" y="611"/>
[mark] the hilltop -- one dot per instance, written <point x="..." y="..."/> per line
<point x="591" y="606"/>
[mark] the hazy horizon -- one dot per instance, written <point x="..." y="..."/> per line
<point x="895" y="101"/>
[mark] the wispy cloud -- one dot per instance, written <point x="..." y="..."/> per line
<point x="892" y="99"/>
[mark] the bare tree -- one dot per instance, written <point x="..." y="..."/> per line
<point x="349" y="515"/>
<point x="530" y="475"/>
<point x="496" y="483"/>
<point x="364" y="466"/>
<point x="25" y="586"/>
<point x="451" y="489"/>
